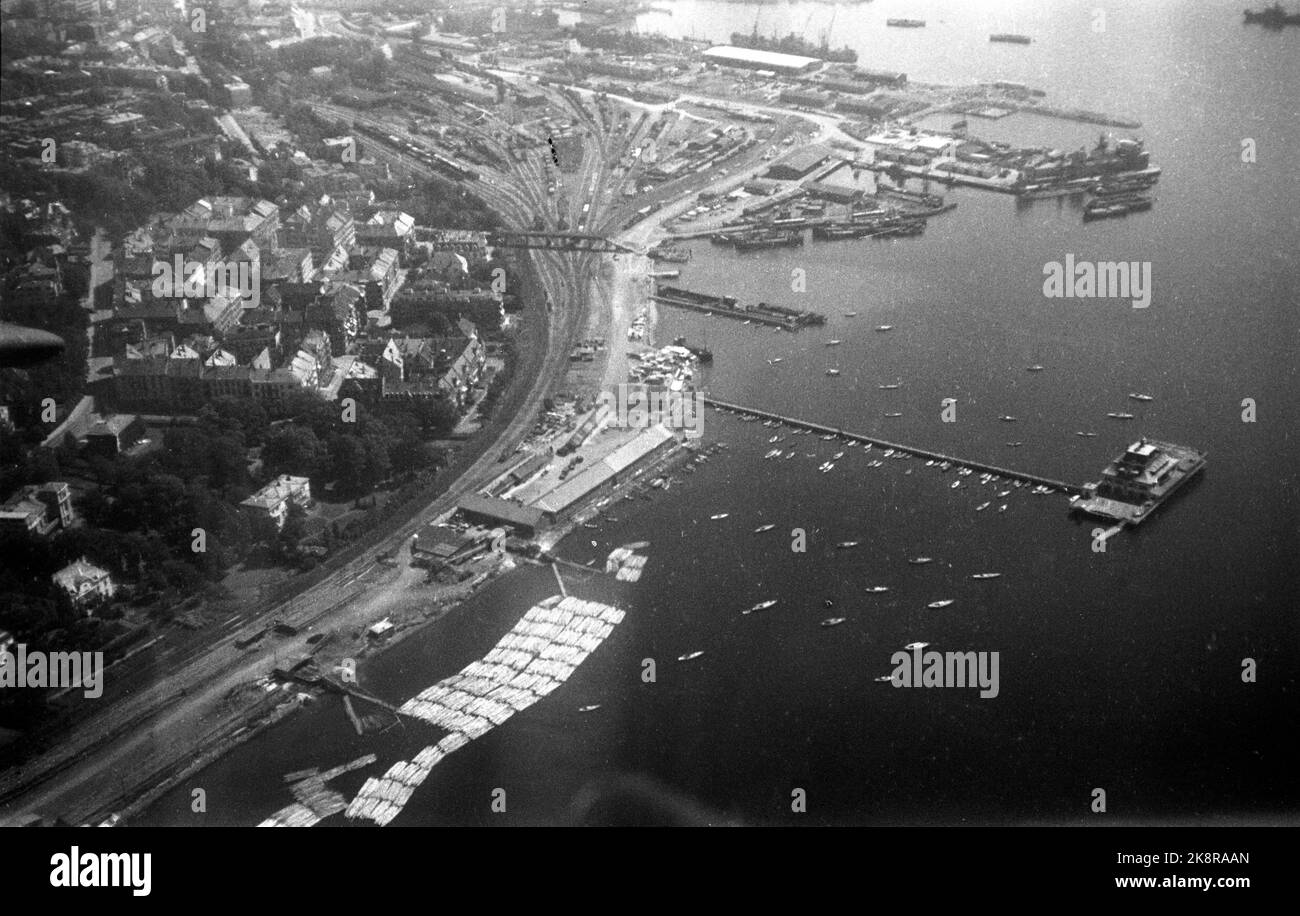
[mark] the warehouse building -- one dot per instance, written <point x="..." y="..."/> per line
<point x="601" y="476"/>
<point x="751" y="59"/>
<point x="798" y="164"/>
<point x="488" y="510"/>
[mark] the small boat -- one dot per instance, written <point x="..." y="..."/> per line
<point x="929" y="464"/>
<point x="719" y="516"/>
<point x="892" y="387"/>
<point x="850" y="314"/>
<point x="1017" y="484"/>
<point x="1003" y="494"/>
<point x="916" y="645"/>
<point x="935" y="605"/>
<point x="982" y="506"/>
<point x="1120" y="416"/>
<point x="885" y="327"/>
<point x="877" y="590"/>
<point x="832" y="372"/>
<point x="955" y="484"/>
<point x="883" y="678"/>
<point x="1002" y="508"/>
<point x="837" y="456"/>
<point x="828" y="603"/>
<point x="891" y="415"/>
<point x="1034" y="369"/>
<point x="1141" y="397"/>
<point x="761" y="606"/>
<point x="589" y="525"/>
<point x="921" y="561"/>
<point x="773" y="440"/>
<point x="827" y="467"/>
<point x="888" y="453"/>
<point x="833" y="621"/>
<point x="834" y="343"/>
<point x="777" y="359"/>
<point x="1086" y="435"/>
<point x="689" y="656"/>
<point x="845" y="545"/>
<point x="761" y="528"/>
<point x="592" y="708"/>
<point x="986" y="575"/>
<point x="943" y="465"/>
<point x="876" y="464"/>
<point x="1007" y="418"/>
<point x="1014" y="444"/>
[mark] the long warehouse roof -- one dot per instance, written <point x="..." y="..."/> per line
<point x="766" y="59"/>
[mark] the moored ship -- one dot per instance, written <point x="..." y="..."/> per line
<point x="794" y="44"/>
<point x="905" y="23"/>
<point x="1273" y="17"/>
<point x="760" y="240"/>
<point x="1010" y="38"/>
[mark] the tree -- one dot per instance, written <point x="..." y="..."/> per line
<point x="348" y="463"/>
<point x="293" y="450"/>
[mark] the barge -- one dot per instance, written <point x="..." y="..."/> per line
<point x="727" y="306"/>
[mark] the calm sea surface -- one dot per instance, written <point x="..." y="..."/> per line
<point x="1118" y="670"/>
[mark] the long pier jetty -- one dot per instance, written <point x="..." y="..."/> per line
<point x="915" y="452"/>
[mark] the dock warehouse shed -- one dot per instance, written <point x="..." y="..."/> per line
<point x="613" y="469"/>
<point x="487" y="510"/>
<point x="751" y="59"/>
<point x="798" y="164"/>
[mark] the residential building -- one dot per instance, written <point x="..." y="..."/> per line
<point x="85" y="583"/>
<point x="272" y="502"/>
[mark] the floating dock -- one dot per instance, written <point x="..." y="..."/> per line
<point x="529" y="663"/>
<point x="896" y="446"/>
<point x="727" y="306"/>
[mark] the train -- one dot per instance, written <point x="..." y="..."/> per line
<point x="434" y="160"/>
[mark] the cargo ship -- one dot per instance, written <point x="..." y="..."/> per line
<point x="794" y="44"/>
<point x="1009" y="38"/>
<point x="1273" y="17"/>
<point x="1108" y="207"/>
<point x="757" y="241"/>
<point x="905" y="23"/>
<point x="1140" y="480"/>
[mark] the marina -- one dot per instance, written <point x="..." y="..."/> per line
<point x="913" y="451"/>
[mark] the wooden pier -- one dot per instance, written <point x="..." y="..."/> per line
<point x="795" y="422"/>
